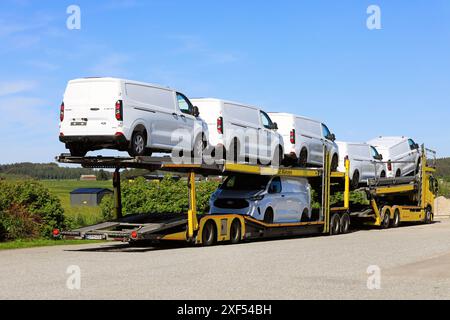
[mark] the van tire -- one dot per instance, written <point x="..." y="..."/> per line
<point x="234" y="149"/>
<point x="199" y="143"/>
<point x="278" y="154"/>
<point x="383" y="174"/>
<point x="334" y="163"/>
<point x="77" y="151"/>
<point x="303" y="158"/>
<point x="268" y="216"/>
<point x="235" y="232"/>
<point x="398" y="174"/>
<point x="355" y="179"/>
<point x="138" y="144"/>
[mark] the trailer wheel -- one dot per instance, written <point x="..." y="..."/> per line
<point x="345" y="223"/>
<point x="209" y="234"/>
<point x="396" y="221"/>
<point x="386" y="219"/>
<point x="235" y="232"/>
<point x="335" y="224"/>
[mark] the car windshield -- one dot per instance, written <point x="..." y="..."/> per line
<point x="244" y="183"/>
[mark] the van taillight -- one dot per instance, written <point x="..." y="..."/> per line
<point x="389" y="165"/>
<point x="119" y="110"/>
<point x="292" y="136"/>
<point x="220" y="125"/>
<point x="61" y="112"/>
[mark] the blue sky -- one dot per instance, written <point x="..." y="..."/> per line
<point x="313" y="58"/>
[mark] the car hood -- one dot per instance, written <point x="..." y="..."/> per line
<point x="238" y="194"/>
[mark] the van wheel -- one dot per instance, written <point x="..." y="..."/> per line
<point x="235" y="148"/>
<point x="197" y="151"/>
<point x="396" y="221"/>
<point x="209" y="234"/>
<point x="77" y="151"/>
<point x="138" y="145"/>
<point x="268" y="216"/>
<point x="235" y="232"/>
<point x="355" y="180"/>
<point x="303" y="159"/>
<point x="383" y="174"/>
<point x="277" y="156"/>
<point x="398" y="174"/>
<point x="345" y="223"/>
<point x="335" y="224"/>
<point x="334" y="163"/>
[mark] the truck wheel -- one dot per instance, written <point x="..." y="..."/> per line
<point x="386" y="219"/>
<point x="209" y="234"/>
<point x="77" y="151"/>
<point x="396" y="221"/>
<point x="138" y="144"/>
<point x="235" y="232"/>
<point x="355" y="180"/>
<point x="335" y="224"/>
<point x="428" y="216"/>
<point x="345" y="223"/>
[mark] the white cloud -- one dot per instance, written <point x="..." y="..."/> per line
<point x="14" y="87"/>
<point x="111" y="65"/>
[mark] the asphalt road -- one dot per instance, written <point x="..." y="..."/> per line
<point x="414" y="263"/>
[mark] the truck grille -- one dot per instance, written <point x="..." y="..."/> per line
<point x="231" y="203"/>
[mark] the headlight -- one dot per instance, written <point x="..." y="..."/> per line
<point x="256" y="198"/>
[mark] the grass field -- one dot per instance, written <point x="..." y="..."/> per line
<point x="81" y="216"/>
<point x="22" y="244"/>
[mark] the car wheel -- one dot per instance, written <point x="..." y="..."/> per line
<point x="334" y="163"/>
<point x="345" y="223"/>
<point x="209" y="234"/>
<point x="235" y="232"/>
<point x="335" y="224"/>
<point x="303" y="159"/>
<point x="268" y="216"/>
<point x="396" y="221"/>
<point x="138" y="144"/>
<point x="77" y="151"/>
<point x="355" y="180"/>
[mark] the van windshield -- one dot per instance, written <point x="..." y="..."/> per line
<point x="244" y="183"/>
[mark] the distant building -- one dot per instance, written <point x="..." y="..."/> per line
<point x="88" y="177"/>
<point x="89" y="197"/>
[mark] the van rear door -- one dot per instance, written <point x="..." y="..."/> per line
<point x="89" y="107"/>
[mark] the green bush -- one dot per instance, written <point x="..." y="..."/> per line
<point x="28" y="210"/>
<point x="166" y="196"/>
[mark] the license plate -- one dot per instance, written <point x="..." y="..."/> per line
<point x="93" y="237"/>
<point x="78" y="123"/>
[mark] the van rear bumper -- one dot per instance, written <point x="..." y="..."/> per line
<point x="117" y="141"/>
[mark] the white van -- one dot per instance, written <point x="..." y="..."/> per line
<point x="243" y="131"/>
<point x="365" y="162"/>
<point x="131" y="116"/>
<point x="402" y="154"/>
<point x="265" y="198"/>
<point x="305" y="138"/>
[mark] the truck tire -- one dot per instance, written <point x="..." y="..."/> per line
<point x="335" y="224"/>
<point x="235" y="232"/>
<point x="396" y="221"/>
<point x="345" y="223"/>
<point x="428" y="216"/>
<point x="386" y="219"/>
<point x="209" y="234"/>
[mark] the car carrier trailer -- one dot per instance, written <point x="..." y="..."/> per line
<point x="389" y="200"/>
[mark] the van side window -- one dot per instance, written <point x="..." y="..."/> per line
<point x="325" y="131"/>
<point x="265" y="120"/>
<point x="275" y="186"/>
<point x="184" y="104"/>
<point x="412" y="144"/>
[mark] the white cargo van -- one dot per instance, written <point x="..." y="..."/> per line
<point x="365" y="162"/>
<point x="402" y="154"/>
<point x="240" y="131"/>
<point x="131" y="116"/>
<point x="305" y="138"/>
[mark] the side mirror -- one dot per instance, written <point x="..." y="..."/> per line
<point x="417" y="146"/>
<point x="196" y="112"/>
<point x="380" y="157"/>
<point x="274" y="126"/>
<point x="331" y="137"/>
